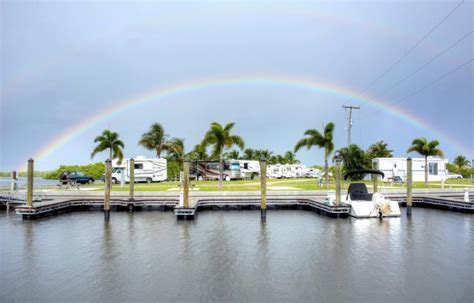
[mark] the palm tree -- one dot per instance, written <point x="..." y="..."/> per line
<point x="176" y="151"/>
<point x="290" y="158"/>
<point x="461" y="162"/>
<point x="249" y="154"/>
<point x="233" y="154"/>
<point x="379" y="150"/>
<point x="354" y="158"/>
<point x="425" y="148"/>
<point x="109" y="140"/>
<point x="155" y="139"/>
<point x="263" y="154"/>
<point x="198" y="153"/>
<point x="315" y="138"/>
<point x="221" y="138"/>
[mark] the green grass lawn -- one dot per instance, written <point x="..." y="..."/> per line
<point x="272" y="185"/>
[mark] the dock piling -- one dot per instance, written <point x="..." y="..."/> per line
<point x="108" y="185"/>
<point x="29" y="193"/>
<point x="338" y="180"/>
<point x="375" y="178"/>
<point x="13" y="185"/>
<point x="263" y="189"/>
<point x="409" y="187"/>
<point x="186" y="184"/>
<point x="132" y="178"/>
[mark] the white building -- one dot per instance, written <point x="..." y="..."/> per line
<point x="391" y="167"/>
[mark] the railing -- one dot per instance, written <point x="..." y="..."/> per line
<point x="19" y="192"/>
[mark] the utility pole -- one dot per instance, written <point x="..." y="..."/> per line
<point x="349" y="126"/>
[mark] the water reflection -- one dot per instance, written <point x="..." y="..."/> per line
<point x="234" y="256"/>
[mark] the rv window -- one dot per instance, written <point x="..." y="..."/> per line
<point x="246" y="166"/>
<point x="139" y="166"/>
<point x="213" y="166"/>
<point x="433" y="169"/>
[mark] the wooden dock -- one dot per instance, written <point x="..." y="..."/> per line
<point x="201" y="201"/>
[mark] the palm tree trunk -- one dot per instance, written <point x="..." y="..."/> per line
<point x="426" y="171"/>
<point x="110" y="153"/>
<point x="326" y="170"/>
<point x="221" y="170"/>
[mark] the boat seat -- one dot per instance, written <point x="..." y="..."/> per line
<point x="358" y="191"/>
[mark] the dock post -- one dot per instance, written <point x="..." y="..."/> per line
<point x="13" y="185"/>
<point x="375" y="178"/>
<point x="263" y="189"/>
<point x="29" y="192"/>
<point x="108" y="184"/>
<point x="338" y="180"/>
<point x="409" y="186"/>
<point x="466" y="195"/>
<point x="131" y="171"/>
<point x="186" y="184"/>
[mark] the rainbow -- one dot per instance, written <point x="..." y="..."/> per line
<point x="242" y="80"/>
<point x="14" y="84"/>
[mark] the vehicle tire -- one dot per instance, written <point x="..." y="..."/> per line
<point x="200" y="178"/>
<point x="90" y="181"/>
<point x="114" y="181"/>
<point x="254" y="176"/>
<point x="148" y="180"/>
<point x="227" y="178"/>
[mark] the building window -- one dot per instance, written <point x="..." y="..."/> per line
<point x="139" y="166"/>
<point x="433" y="169"/>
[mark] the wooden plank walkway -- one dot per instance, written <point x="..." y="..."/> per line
<point x="227" y="200"/>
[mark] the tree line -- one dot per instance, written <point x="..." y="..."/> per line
<point x="220" y="139"/>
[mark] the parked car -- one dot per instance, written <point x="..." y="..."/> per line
<point x="75" y="176"/>
<point x="453" y="176"/>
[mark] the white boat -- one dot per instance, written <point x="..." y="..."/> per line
<point x="365" y="204"/>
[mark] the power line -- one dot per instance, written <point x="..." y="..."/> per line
<point x="427" y="63"/>
<point x="413" y="47"/>
<point x="415" y="92"/>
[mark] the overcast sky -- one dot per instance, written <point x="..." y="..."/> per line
<point x="62" y="62"/>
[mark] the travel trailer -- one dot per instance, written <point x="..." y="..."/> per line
<point x="275" y="171"/>
<point x="279" y="171"/>
<point x="392" y="167"/>
<point x="313" y="173"/>
<point x="209" y="170"/>
<point x="146" y="170"/>
<point x="249" y="169"/>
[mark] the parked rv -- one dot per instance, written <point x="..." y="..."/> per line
<point x="146" y="170"/>
<point x="313" y="173"/>
<point x="249" y="169"/>
<point x="279" y="171"/>
<point x="393" y="167"/>
<point x="209" y="170"/>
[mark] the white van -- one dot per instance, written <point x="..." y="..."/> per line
<point x="146" y="170"/>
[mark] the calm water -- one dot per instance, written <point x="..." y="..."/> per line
<point x="22" y="181"/>
<point x="230" y="256"/>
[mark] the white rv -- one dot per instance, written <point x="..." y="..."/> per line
<point x="286" y="171"/>
<point x="275" y="171"/>
<point x="146" y="170"/>
<point x="392" y="167"/>
<point x="249" y="169"/>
